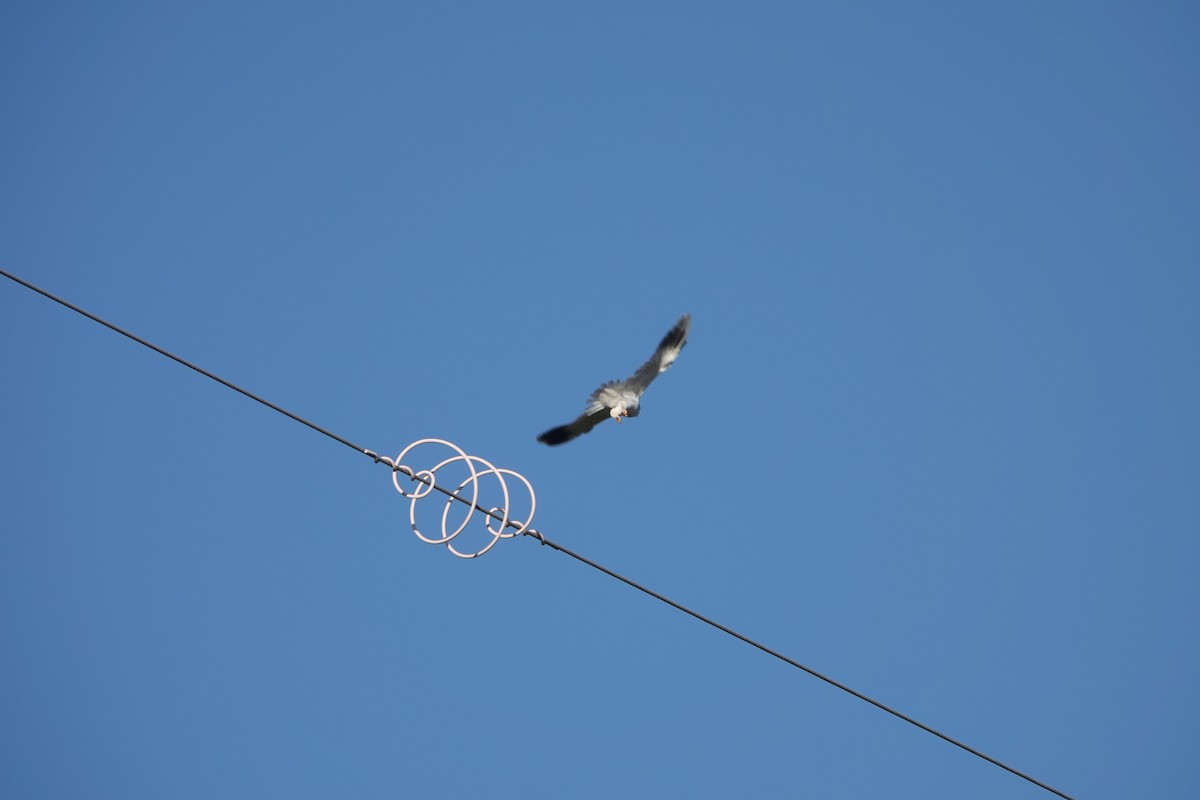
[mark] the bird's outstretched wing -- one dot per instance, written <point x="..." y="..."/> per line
<point x="582" y="424"/>
<point x="668" y="350"/>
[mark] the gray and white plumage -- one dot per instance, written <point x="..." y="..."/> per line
<point x="618" y="399"/>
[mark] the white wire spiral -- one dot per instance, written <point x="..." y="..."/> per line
<point x="424" y="481"/>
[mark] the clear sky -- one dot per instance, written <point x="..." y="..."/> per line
<point x="935" y="434"/>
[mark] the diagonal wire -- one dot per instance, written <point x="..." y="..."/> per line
<point x="176" y="358"/>
<point x="800" y="666"/>
<point x="549" y="543"/>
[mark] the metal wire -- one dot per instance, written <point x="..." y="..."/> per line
<point x="501" y="515"/>
<point x="800" y="666"/>
<point x="179" y="360"/>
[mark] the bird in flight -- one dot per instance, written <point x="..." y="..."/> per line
<point x="618" y="399"/>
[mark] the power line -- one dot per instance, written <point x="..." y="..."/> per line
<point x="549" y="543"/>
<point x="809" y="670"/>
<point x="174" y="357"/>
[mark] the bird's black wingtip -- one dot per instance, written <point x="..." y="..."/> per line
<point x="677" y="336"/>
<point x="556" y="436"/>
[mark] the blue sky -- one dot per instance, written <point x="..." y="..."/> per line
<point x="934" y="434"/>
